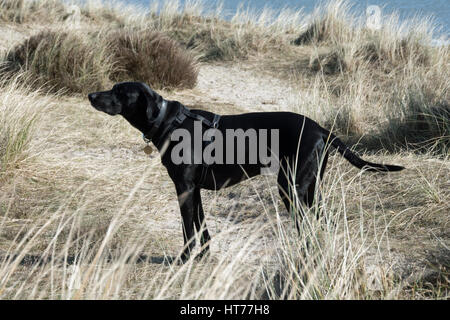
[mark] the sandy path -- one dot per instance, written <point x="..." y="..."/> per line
<point x="233" y="89"/>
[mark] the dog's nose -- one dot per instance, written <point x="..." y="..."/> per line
<point x="92" y="96"/>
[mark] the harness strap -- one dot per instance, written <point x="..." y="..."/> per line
<point x="200" y="118"/>
<point x="182" y="114"/>
<point x="179" y="119"/>
<point x="205" y="167"/>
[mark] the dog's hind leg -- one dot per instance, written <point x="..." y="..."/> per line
<point x="305" y="168"/>
<point x="288" y="194"/>
<point x="200" y="224"/>
<point x="311" y="193"/>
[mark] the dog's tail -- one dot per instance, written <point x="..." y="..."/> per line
<point x="353" y="158"/>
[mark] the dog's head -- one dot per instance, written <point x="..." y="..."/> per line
<point x="128" y="99"/>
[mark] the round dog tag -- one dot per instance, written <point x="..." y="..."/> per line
<point x="148" y="150"/>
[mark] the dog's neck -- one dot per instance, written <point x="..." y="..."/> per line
<point x="140" y="121"/>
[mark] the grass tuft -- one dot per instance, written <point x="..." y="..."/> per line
<point x="60" y="60"/>
<point x="152" y="58"/>
<point x="84" y="62"/>
<point x="19" y="114"/>
<point x="26" y="11"/>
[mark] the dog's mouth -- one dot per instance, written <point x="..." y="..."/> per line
<point x="105" y="110"/>
<point x="100" y="108"/>
<point x="98" y="105"/>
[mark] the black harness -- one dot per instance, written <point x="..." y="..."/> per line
<point x="182" y="114"/>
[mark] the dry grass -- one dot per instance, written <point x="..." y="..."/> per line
<point x="97" y="12"/>
<point x="62" y="61"/>
<point x="26" y="11"/>
<point x="85" y="214"/>
<point x="247" y="35"/>
<point x="152" y="58"/>
<point x="391" y="84"/>
<point x="353" y="252"/>
<point x="17" y="124"/>
<point x="330" y="23"/>
<point x="82" y="62"/>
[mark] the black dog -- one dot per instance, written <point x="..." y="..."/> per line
<point x="301" y="147"/>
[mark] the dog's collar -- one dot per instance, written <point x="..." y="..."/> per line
<point x="156" y="123"/>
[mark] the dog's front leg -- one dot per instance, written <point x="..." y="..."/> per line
<point x="200" y="224"/>
<point x="186" y="200"/>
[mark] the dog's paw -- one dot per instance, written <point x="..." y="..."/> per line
<point x="202" y="256"/>
<point x="182" y="259"/>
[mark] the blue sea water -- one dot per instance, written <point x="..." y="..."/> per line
<point x="438" y="9"/>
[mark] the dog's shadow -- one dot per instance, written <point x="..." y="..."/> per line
<point x="32" y="260"/>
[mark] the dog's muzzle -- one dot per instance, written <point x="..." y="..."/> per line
<point x="92" y="97"/>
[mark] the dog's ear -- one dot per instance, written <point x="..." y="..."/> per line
<point x="153" y="102"/>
